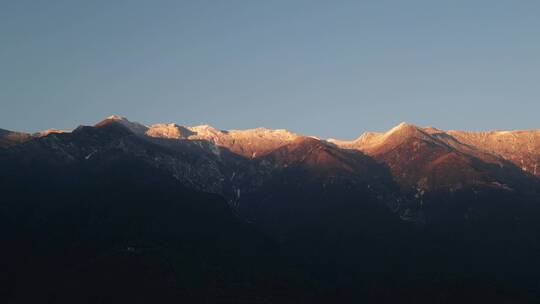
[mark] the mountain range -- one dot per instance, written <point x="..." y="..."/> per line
<point x="122" y="211"/>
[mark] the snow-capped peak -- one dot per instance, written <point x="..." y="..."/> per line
<point x="370" y="141"/>
<point x="170" y="130"/>
<point x="115" y="117"/>
<point x="135" y="127"/>
<point x="203" y="130"/>
<point x="403" y="127"/>
<point x="50" y="131"/>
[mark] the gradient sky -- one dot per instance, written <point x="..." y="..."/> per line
<point x="324" y="68"/>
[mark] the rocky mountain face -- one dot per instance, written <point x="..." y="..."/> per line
<point x="248" y="143"/>
<point x="519" y="147"/>
<point x="418" y="164"/>
<point x="408" y="168"/>
<point x="9" y="138"/>
<point x="427" y="205"/>
<point x="433" y="159"/>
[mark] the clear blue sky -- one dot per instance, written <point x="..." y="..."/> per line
<point x="325" y="68"/>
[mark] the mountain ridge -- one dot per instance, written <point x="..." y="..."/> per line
<point x="423" y="162"/>
<point x="425" y="205"/>
<point x="518" y="147"/>
<point x="401" y="125"/>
